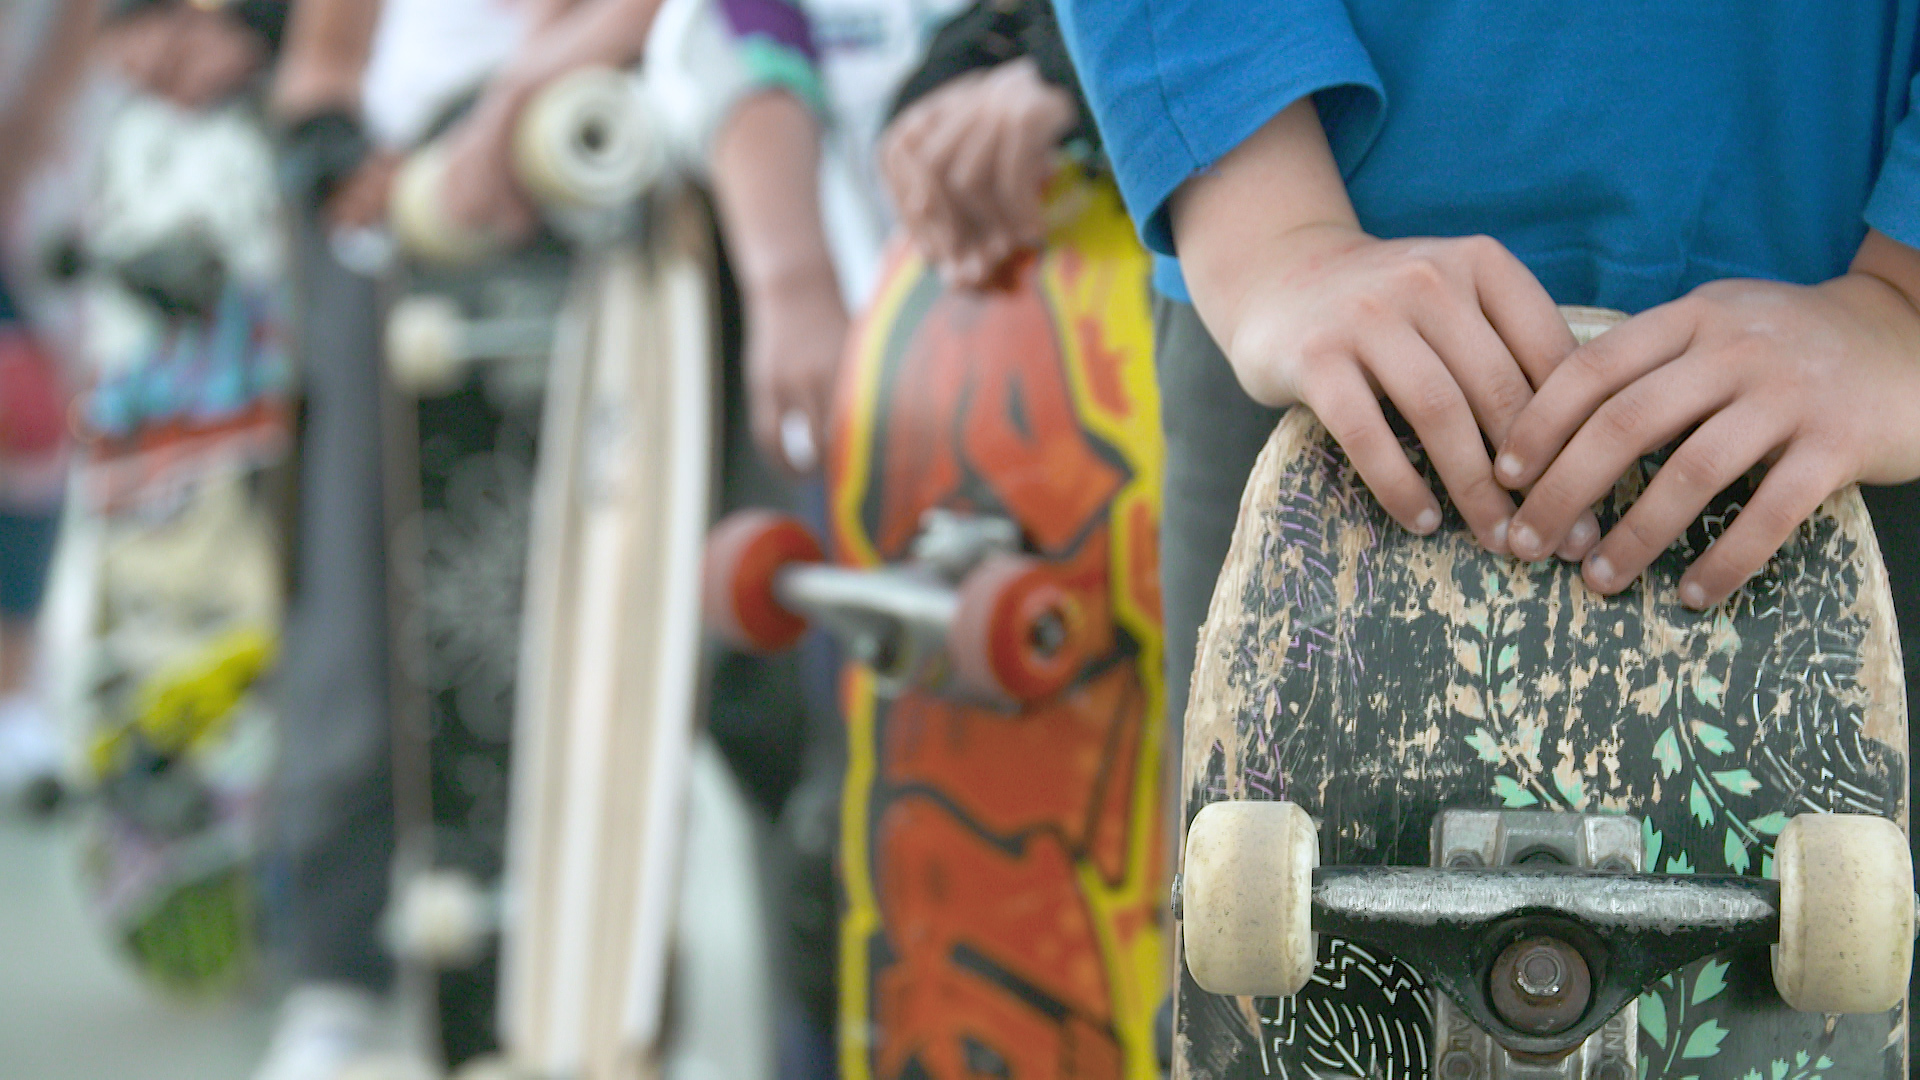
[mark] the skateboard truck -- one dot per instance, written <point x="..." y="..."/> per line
<point x="1538" y="928"/>
<point x="966" y="614"/>
<point x="430" y="341"/>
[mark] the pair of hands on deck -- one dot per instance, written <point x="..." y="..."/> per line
<point x="1821" y="383"/>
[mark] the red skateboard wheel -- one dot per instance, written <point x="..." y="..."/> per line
<point x="745" y="554"/>
<point x="1018" y="633"/>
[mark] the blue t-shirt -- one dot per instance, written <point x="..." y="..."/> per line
<point x="1626" y="150"/>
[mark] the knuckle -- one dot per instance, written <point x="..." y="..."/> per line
<point x="1623" y="418"/>
<point x="1479" y="491"/>
<point x="1640" y="537"/>
<point x="1701" y="469"/>
<point x="1321" y="348"/>
<point x="1506" y="397"/>
<point x="1365" y="308"/>
<point x="1772" y="519"/>
<point x="1481" y="248"/>
<point x="1587" y="363"/>
<point x="1420" y="277"/>
<point x="1427" y="402"/>
<point x="1360" y="439"/>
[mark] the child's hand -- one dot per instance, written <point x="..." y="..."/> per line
<point x="795" y="338"/>
<point x="1308" y="308"/>
<point x="481" y="190"/>
<point x="1454" y="332"/>
<point x="1822" y="383"/>
<point x="965" y="166"/>
<point x="191" y="56"/>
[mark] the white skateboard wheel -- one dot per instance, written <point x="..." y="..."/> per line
<point x="1246" y="896"/>
<point x="389" y="1067"/>
<point x="418" y="215"/>
<point x="1846" y="914"/>
<point x="587" y="142"/>
<point x="423" y="344"/>
<point x="491" y="1067"/>
<point x="442" y="919"/>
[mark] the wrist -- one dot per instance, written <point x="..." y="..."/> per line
<point x="806" y="282"/>
<point x="304" y="90"/>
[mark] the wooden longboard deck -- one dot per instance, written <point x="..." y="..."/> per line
<point x="1004" y="871"/>
<point x="1375" y="677"/>
<point x="611" y="661"/>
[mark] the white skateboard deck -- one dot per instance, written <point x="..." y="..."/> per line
<point x="610" y="663"/>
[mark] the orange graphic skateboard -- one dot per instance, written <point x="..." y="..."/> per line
<point x="994" y="477"/>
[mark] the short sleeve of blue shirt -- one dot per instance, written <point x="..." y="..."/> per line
<point x="1625" y="150"/>
<point x="1894" y="208"/>
<point x="1185" y="81"/>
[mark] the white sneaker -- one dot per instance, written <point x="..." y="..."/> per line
<point x="324" y="1028"/>
<point x="29" y="749"/>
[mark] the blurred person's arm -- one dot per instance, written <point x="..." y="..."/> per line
<point x="27" y="124"/>
<point x="482" y="191"/>
<point x="326" y="157"/>
<point x="324" y="57"/>
<point x="766" y="167"/>
<point x="976" y="133"/>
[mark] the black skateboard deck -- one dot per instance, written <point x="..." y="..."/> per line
<point x="460" y="469"/>
<point x="1376" y="678"/>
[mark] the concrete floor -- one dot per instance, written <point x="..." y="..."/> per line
<point x="70" y="1011"/>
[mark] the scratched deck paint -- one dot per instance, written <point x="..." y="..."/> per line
<point x="1004" y="875"/>
<point x="1375" y="677"/>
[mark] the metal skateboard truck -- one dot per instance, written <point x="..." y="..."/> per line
<point x="1540" y="928"/>
<point x="966" y="614"/>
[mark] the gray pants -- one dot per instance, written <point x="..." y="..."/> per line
<point x="1214" y="431"/>
<point x="334" y="798"/>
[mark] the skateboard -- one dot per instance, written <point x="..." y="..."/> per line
<point x="174" y="529"/>
<point x="993" y="475"/>
<point x="629" y="875"/>
<point x="613" y="794"/>
<point x="469" y="333"/>
<point x="1453" y="815"/>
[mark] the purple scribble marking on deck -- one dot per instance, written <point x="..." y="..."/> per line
<point x="1269" y="784"/>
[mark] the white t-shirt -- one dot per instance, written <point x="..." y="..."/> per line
<point x="426" y="53"/>
<point x="867" y="48"/>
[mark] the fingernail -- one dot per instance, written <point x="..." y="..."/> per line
<point x="1509" y="468"/>
<point x="1526" y="542"/>
<point x="1428" y="521"/>
<point x="1600" y="573"/>
<point x="1579" y="539"/>
<point x="1500" y="535"/>
<point x="1693" y="595"/>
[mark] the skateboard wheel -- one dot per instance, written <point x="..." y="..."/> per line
<point x="442" y="919"/>
<point x="423" y="344"/>
<point x="418" y="215"/>
<point x="587" y="142"/>
<point x="1017" y="633"/>
<point x="389" y="1067"/>
<point x="1588" y="323"/>
<point x="1846" y="913"/>
<point x="745" y="554"/>
<point x="1246" y="894"/>
<point x="491" y="1067"/>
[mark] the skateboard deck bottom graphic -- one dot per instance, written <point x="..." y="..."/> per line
<point x="997" y="458"/>
<point x="1376" y="678"/>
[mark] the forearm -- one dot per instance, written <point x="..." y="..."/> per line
<point x="26" y="127"/>
<point x="324" y="57"/>
<point x="589" y="32"/>
<point x="1270" y="190"/>
<point x="766" y="165"/>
